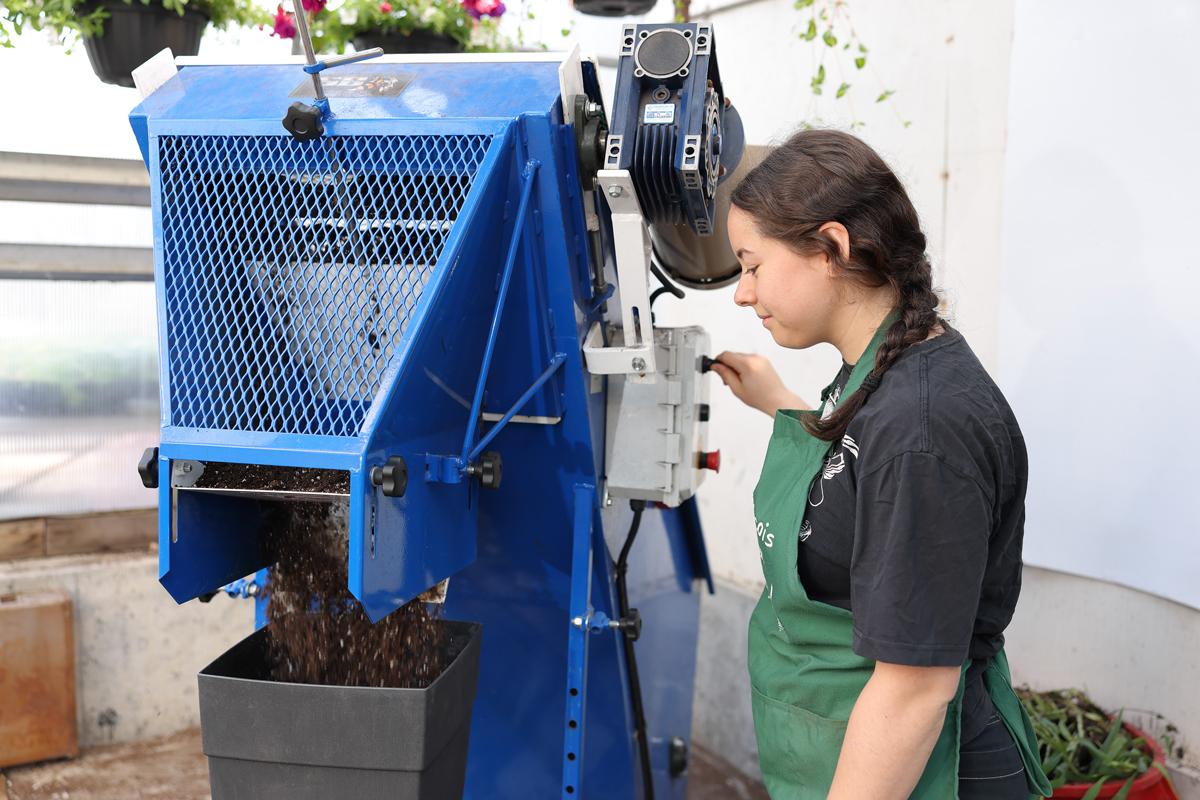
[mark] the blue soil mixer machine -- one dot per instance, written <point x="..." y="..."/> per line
<point x="434" y="280"/>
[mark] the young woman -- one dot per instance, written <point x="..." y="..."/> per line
<point x="889" y="518"/>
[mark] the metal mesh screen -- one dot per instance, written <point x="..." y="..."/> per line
<point x="291" y="270"/>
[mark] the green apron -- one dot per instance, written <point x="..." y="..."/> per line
<point x="804" y="676"/>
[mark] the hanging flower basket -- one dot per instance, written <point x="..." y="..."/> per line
<point x="135" y="32"/>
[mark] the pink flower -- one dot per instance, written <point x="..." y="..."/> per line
<point x="313" y="6"/>
<point x="385" y="7"/>
<point x="483" y="8"/>
<point x="285" y="25"/>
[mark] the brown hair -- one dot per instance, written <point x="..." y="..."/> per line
<point x="820" y="176"/>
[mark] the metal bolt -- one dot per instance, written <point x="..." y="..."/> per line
<point x="577" y="622"/>
<point x="615" y="191"/>
<point x="592" y="109"/>
<point x="187" y="467"/>
<point x="638" y="364"/>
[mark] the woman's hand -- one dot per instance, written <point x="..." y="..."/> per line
<point x="755" y="382"/>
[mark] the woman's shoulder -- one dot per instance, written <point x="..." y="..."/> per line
<point x="938" y="398"/>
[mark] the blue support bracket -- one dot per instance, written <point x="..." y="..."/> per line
<point x="531" y="168"/>
<point x="555" y="363"/>
<point x="452" y="469"/>
<point x="577" y="643"/>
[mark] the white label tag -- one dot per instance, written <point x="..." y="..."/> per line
<point x="658" y="114"/>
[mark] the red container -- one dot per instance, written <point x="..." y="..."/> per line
<point x="1151" y="785"/>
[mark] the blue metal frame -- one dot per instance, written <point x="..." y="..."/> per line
<point x="524" y="560"/>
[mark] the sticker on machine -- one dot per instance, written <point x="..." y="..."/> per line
<point x="658" y="114"/>
<point x="363" y="84"/>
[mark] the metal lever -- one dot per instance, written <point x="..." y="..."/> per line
<point x="304" y="121"/>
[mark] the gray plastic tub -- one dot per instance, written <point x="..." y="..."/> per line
<point x="267" y="740"/>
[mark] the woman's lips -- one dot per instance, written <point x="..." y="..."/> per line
<point x="764" y="320"/>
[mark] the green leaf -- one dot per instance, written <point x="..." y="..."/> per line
<point x="885" y="95"/>
<point x="829" y="38"/>
<point x="799" y="4"/>
<point x="860" y="62"/>
<point x="818" y="80"/>
<point x="566" y="31"/>
<point x="862" y="48"/>
<point x="1094" y="792"/>
<point x="811" y="32"/>
<point x="845" y="87"/>
<point x="1123" y="792"/>
<point x="908" y="123"/>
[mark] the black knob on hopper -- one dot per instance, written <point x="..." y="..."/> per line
<point x="392" y="477"/>
<point x="148" y="468"/>
<point x="303" y="121"/>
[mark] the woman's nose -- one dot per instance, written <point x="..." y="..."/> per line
<point x="744" y="296"/>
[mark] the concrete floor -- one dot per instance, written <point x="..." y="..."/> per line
<point x="174" y="768"/>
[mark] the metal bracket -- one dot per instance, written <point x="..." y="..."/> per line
<point x="635" y="357"/>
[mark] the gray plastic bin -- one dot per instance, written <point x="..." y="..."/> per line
<point x="268" y="740"/>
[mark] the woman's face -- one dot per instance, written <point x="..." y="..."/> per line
<point x="794" y="295"/>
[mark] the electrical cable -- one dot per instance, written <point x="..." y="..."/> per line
<point x="667" y="286"/>
<point x="635" y="687"/>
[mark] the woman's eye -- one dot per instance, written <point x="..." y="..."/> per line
<point x="751" y="270"/>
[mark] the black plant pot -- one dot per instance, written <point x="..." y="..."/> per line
<point x="613" y="8"/>
<point x="419" y="41"/>
<point x="267" y="740"/>
<point x="135" y="32"/>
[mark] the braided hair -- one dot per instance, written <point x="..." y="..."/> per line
<point x="820" y="176"/>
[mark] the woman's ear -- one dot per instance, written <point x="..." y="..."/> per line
<point x="838" y="233"/>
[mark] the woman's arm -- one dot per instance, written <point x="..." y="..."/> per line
<point x="895" y="723"/>
<point x="755" y="382"/>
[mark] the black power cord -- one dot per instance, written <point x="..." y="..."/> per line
<point x="667" y="286"/>
<point x="631" y="626"/>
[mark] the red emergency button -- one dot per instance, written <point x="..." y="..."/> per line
<point x="710" y="461"/>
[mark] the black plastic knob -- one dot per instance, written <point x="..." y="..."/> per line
<point x="631" y="625"/>
<point x="491" y="470"/>
<point x="392" y="477"/>
<point x="706" y="363"/>
<point x="303" y="121"/>
<point x="148" y="468"/>
<point x="702" y="412"/>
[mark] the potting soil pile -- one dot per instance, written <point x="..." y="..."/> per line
<point x="319" y="632"/>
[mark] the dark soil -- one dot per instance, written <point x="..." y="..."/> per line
<point x="220" y="475"/>
<point x="318" y="631"/>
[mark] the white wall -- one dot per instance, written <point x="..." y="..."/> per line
<point x="1098" y="312"/>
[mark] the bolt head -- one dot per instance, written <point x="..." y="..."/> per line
<point x="639" y="364"/>
<point x="615" y="191"/>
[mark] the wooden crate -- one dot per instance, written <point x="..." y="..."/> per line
<point x="37" y="678"/>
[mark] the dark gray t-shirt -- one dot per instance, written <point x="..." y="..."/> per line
<point x="915" y="522"/>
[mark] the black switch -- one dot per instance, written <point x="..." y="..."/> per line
<point x="702" y="412"/>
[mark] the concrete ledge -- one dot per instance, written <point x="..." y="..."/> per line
<point x="137" y="652"/>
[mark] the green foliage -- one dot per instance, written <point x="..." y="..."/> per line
<point x="1079" y="743"/>
<point x="342" y="23"/>
<point x="829" y="22"/>
<point x="70" y="19"/>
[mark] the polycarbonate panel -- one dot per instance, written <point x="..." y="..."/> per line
<point x="292" y="269"/>
<point x="78" y="396"/>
